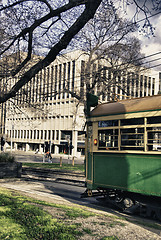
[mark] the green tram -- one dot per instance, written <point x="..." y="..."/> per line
<point x="123" y="148"/>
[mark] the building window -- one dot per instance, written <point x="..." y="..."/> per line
<point x="68" y="83"/>
<point x="38" y="134"/>
<point x="56" y="78"/>
<point x="21" y="133"/>
<point x="15" y="133"/>
<point x="30" y="134"/>
<point x="149" y="86"/>
<point x="57" y="134"/>
<point x="34" y="134"/>
<point x="45" y="134"/>
<point x="47" y="86"/>
<point x="64" y="78"/>
<point x="60" y="73"/>
<point x="53" y="134"/>
<point x="52" y="79"/>
<point x="49" y="134"/>
<point x="153" y="86"/>
<point x="73" y="74"/>
<point x="83" y="77"/>
<point x="41" y="134"/>
<point x="145" y="85"/>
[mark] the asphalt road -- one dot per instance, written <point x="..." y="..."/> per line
<point x="49" y="191"/>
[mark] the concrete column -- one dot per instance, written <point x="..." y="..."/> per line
<point x="15" y="146"/>
<point x="56" y="149"/>
<point x="74" y="142"/>
<point x="40" y="149"/>
<point x="27" y="147"/>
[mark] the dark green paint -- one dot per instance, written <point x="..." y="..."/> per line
<point x="139" y="173"/>
<point x="89" y="167"/>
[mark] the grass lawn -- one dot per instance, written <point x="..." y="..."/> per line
<point x="22" y="218"/>
<point x="25" y="218"/>
<point x="69" y="167"/>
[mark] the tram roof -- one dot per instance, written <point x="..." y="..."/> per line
<point x="128" y="106"/>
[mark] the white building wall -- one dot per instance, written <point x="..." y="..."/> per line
<point x="59" y="114"/>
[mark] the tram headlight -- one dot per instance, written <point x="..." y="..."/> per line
<point x="95" y="141"/>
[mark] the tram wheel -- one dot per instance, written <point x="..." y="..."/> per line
<point x="128" y="202"/>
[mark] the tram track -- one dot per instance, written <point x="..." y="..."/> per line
<point x="75" y="179"/>
<point x="58" y="176"/>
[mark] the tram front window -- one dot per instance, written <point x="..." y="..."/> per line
<point x="108" y="139"/>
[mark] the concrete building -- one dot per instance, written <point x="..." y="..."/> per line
<point x="45" y="117"/>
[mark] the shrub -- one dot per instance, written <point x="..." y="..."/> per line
<point x="6" y="157"/>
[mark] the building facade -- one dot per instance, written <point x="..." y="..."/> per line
<point x="45" y="115"/>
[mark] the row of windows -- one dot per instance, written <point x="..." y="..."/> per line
<point x="132" y="139"/>
<point x="39" y="105"/>
<point x="34" y="134"/>
<point x="44" y="134"/>
<point x="112" y="135"/>
<point x="127" y="122"/>
<point x="48" y="84"/>
<point x="132" y="85"/>
<point x="39" y="118"/>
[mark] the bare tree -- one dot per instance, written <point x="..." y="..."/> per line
<point x="111" y="52"/>
<point x="29" y="24"/>
<point x="45" y="26"/>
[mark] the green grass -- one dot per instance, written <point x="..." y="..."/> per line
<point x="73" y="213"/>
<point x="21" y="219"/>
<point x="110" y="238"/>
<point x="69" y="167"/>
<point x="87" y="230"/>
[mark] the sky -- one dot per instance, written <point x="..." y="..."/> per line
<point x="151" y="44"/>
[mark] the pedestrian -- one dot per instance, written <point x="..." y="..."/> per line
<point x="37" y="150"/>
<point x="50" y="158"/>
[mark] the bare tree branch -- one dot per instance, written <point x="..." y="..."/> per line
<point x="87" y="14"/>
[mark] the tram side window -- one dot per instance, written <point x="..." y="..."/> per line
<point x="154" y="138"/>
<point x="108" y="139"/>
<point x="152" y="120"/>
<point x="109" y="123"/>
<point x="132" y="121"/>
<point x="132" y="139"/>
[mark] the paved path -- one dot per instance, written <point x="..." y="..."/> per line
<point x="22" y="156"/>
<point x="48" y="191"/>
